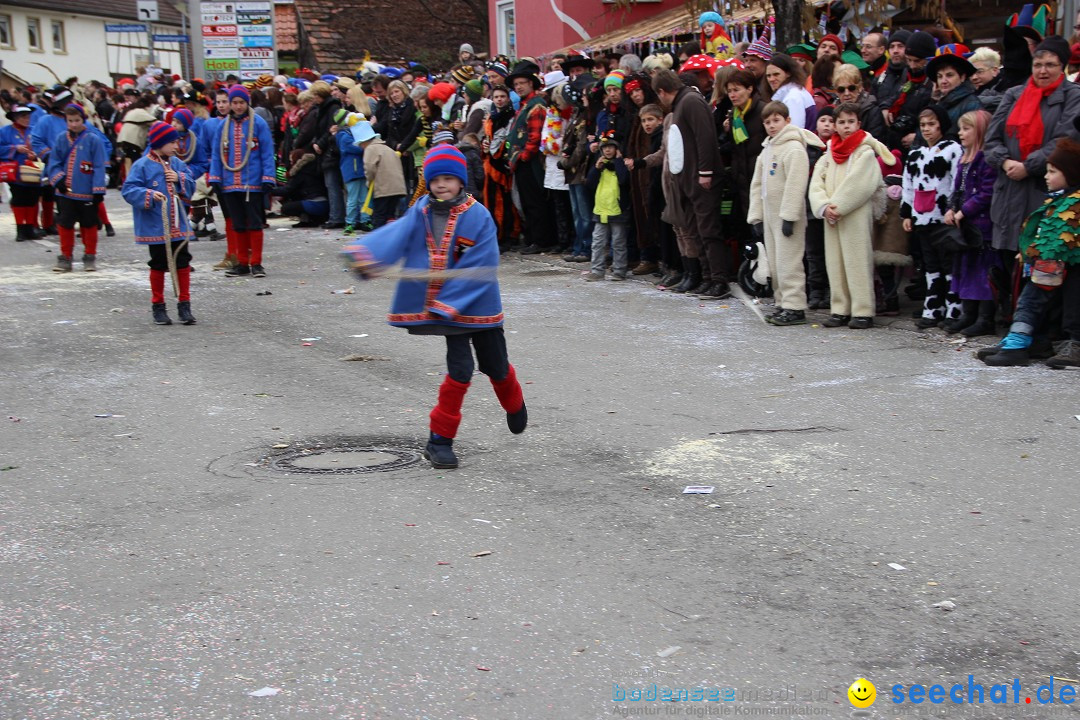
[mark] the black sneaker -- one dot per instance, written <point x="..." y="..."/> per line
<point x="256" y="271"/>
<point x="835" y="320"/>
<point x="238" y="270"/>
<point x="532" y="250"/>
<point x="861" y="323"/>
<point x="788" y="317"/>
<point x="925" y="323"/>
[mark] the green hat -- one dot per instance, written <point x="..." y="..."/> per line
<point x="853" y="58"/>
<point x="614" y="79"/>
<point x="340" y="115"/>
<point x="474" y="89"/>
<point x="805" y="50"/>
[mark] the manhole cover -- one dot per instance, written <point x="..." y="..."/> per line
<point x="345" y="460"/>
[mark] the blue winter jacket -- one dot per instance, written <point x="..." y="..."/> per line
<point x="260" y="169"/>
<point x="11" y="136"/>
<point x="44" y="133"/>
<point x="80" y="163"/>
<point x="147" y="176"/>
<point x="469" y="243"/>
<point x="352" y="156"/>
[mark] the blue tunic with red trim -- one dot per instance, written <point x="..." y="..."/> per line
<point x="79" y="162"/>
<point x="469" y="243"/>
<point x="260" y="168"/>
<point x="147" y="176"/>
<point x="12" y="136"/>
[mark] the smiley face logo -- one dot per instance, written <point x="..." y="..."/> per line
<point x="862" y="693"/>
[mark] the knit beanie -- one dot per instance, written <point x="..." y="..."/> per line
<point x="760" y="47"/>
<point x="499" y="68"/>
<point x="442" y="136"/>
<point x="185" y="117"/>
<point x="1066" y="158"/>
<point x="835" y="40"/>
<point x="445" y="160"/>
<point x="75" y="106"/>
<point x="463" y="74"/>
<point x="160" y="134"/>
<point x="1057" y="45"/>
<point x="441" y="93"/>
<point x="614" y="79"/>
<point x="920" y="45"/>
<point x="899" y="36"/>
<point x="474" y="89"/>
<point x="465" y="47"/>
<point x="239" y="91"/>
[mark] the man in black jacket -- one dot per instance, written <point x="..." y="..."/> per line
<point x="325" y="147"/>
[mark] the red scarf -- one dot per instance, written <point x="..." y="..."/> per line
<point x="841" y="149"/>
<point x="1025" y="121"/>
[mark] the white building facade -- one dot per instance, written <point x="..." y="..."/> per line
<point x="71" y="39"/>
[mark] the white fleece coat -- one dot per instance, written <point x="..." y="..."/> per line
<point x="781" y="174"/>
<point x="857" y="190"/>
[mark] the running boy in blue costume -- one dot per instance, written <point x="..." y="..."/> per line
<point x="158" y="179"/>
<point x="448" y="240"/>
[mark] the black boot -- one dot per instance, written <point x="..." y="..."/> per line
<point x="969" y="314"/>
<point x="984" y="325"/>
<point x="672" y="279"/>
<point x="518" y="421"/>
<point x="702" y="287"/>
<point x="440" y="452"/>
<point x="161" y="316"/>
<point x="24" y="232"/>
<point x="692" y="276"/>
<point x="183" y="309"/>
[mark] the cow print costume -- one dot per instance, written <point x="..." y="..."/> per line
<point x="929" y="177"/>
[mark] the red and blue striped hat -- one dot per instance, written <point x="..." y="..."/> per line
<point x="239" y="91"/>
<point x="160" y="134"/>
<point x="445" y="160"/>
<point x="185" y="116"/>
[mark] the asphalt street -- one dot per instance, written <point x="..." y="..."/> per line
<point x="166" y="552"/>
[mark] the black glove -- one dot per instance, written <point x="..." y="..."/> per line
<point x="758" y="230"/>
<point x="98" y="199"/>
<point x="215" y="188"/>
<point x="788" y="228"/>
<point x="268" y="187"/>
<point x="61" y="187"/>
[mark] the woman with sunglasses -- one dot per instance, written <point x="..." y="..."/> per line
<point x="848" y="86"/>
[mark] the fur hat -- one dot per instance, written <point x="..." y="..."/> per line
<point x="1066" y="158"/>
<point x="445" y="160"/>
<point x="713" y="17"/>
<point x="160" y="134"/>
